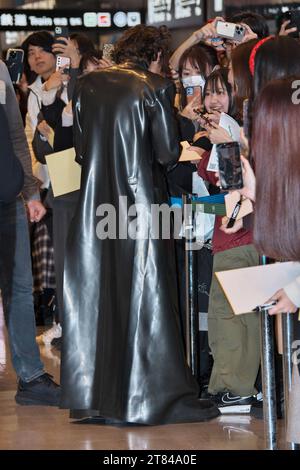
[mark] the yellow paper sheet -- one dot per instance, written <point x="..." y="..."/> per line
<point x="65" y="173"/>
<point x="188" y="155"/>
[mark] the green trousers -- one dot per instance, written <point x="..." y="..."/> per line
<point x="233" y="339"/>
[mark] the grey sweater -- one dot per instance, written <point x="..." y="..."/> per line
<point x="17" y="134"/>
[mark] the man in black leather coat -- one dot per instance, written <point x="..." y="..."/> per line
<point x="122" y="355"/>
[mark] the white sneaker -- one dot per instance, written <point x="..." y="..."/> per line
<point x="49" y="335"/>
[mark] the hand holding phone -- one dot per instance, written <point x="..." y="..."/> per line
<point x="14" y="63"/>
<point x="235" y="32"/>
<point x="293" y="26"/>
<point x="230" y="165"/>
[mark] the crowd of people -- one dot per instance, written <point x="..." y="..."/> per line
<point x="120" y="300"/>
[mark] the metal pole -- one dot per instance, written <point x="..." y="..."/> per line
<point x="192" y="326"/>
<point x="268" y="380"/>
<point x="287" y="339"/>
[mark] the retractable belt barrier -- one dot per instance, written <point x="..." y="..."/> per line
<point x="208" y="204"/>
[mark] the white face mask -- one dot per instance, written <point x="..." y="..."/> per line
<point x="193" y="81"/>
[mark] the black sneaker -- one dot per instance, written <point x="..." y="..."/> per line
<point x="229" y="403"/>
<point x="257" y="407"/>
<point x="257" y="410"/>
<point x="42" y="391"/>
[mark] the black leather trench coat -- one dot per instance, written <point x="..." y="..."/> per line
<point x="122" y="354"/>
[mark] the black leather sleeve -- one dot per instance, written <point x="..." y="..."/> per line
<point x="164" y="128"/>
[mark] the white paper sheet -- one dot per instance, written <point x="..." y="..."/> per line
<point x="248" y="288"/>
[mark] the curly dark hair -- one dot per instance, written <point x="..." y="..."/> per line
<point x="141" y="44"/>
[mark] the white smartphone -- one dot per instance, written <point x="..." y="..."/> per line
<point x="233" y="31"/>
<point x="63" y="63"/>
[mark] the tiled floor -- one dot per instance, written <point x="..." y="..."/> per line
<point x="50" y="428"/>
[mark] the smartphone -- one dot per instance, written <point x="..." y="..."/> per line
<point x="63" y="63"/>
<point x="107" y="52"/>
<point x="294" y="17"/>
<point x="14" y="63"/>
<point x="61" y="32"/>
<point x="235" y="32"/>
<point x="230" y="165"/>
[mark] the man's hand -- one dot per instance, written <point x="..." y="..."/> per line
<point x="284" y="304"/>
<point x="36" y="210"/>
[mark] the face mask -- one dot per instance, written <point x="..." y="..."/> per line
<point x="193" y="81"/>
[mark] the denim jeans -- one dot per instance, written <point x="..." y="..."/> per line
<point x="16" y="287"/>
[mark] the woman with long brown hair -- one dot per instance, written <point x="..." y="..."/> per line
<point x="276" y="191"/>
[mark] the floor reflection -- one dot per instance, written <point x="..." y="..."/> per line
<point x="50" y="428"/>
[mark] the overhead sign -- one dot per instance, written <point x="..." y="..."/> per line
<point x="31" y="20"/>
<point x="175" y="13"/>
<point x="269" y="11"/>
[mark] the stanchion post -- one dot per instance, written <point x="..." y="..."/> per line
<point x="287" y="339"/>
<point x="192" y="323"/>
<point x="268" y="380"/>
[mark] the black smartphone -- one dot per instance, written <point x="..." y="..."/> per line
<point x="61" y="32"/>
<point x="230" y="165"/>
<point x="294" y="17"/>
<point x="14" y="63"/>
